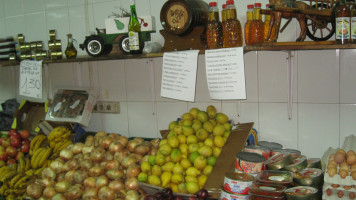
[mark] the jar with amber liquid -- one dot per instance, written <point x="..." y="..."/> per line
<point x="248" y="22"/>
<point x="214" y="27"/>
<point x="70" y="51"/>
<point x="232" y="33"/>
<point x="266" y="25"/>
<point x="256" y="32"/>
<point x="342" y="15"/>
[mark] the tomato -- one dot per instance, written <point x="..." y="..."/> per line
<point x="16" y="141"/>
<point x="12" y="132"/>
<point x="24" y="134"/>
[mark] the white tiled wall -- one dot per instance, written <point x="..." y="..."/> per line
<point x="323" y="111"/>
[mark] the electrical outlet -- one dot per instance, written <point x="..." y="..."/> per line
<point x="107" y="107"/>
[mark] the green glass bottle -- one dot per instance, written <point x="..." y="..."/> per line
<point x="134" y="29"/>
<point x="353" y="23"/>
<point x="342" y="13"/>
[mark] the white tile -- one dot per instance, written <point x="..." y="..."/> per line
<point x="15" y="25"/>
<point x="76" y="2"/>
<point x="203" y="106"/>
<point x="156" y="6"/>
<point x="111" y="76"/>
<point x="6" y="87"/>
<point x="3" y="33"/>
<point x="318" y="128"/>
<point x="13" y="8"/>
<point x="276" y="127"/>
<point x="55" y="4"/>
<point x="169" y="111"/>
<point x="65" y="77"/>
<point x="81" y="73"/>
<point x="103" y="10"/>
<point x="58" y="20"/>
<point x="251" y="76"/>
<point x="142" y="119"/>
<point x="34" y="6"/>
<point x="2" y="12"/>
<point x="35" y="27"/>
<point x="139" y="80"/>
<point x="347" y="76"/>
<point x="77" y="27"/>
<point x="143" y="7"/>
<point x="272" y="76"/>
<point x="98" y="1"/>
<point x="201" y="89"/>
<point x="318" y="77"/>
<point x="241" y="112"/>
<point x="347" y="121"/>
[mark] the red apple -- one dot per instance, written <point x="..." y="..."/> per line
<point x="16" y="141"/>
<point x="2" y="148"/>
<point x="25" y="147"/>
<point x="11" y="151"/>
<point x="24" y="134"/>
<point x="6" y="142"/>
<point x="19" y="155"/>
<point x="11" y="161"/>
<point x="3" y="156"/>
<point x="12" y="132"/>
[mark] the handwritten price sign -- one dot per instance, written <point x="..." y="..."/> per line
<point x="31" y="79"/>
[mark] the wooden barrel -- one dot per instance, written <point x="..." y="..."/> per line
<point x="179" y="17"/>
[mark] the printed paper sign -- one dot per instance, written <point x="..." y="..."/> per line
<point x="225" y="73"/>
<point x="179" y="73"/>
<point x="31" y="79"/>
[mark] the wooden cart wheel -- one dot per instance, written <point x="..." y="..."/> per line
<point x="320" y="28"/>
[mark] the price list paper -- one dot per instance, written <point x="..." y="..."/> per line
<point x="179" y="74"/>
<point x="225" y="73"/>
<point x="31" y="79"/>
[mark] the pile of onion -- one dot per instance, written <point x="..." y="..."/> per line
<point x="106" y="167"/>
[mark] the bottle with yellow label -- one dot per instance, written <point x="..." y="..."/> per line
<point x="353" y="23"/>
<point x="134" y="29"/>
<point x="342" y="14"/>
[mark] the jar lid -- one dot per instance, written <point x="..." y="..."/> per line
<point x="250" y="6"/>
<point x="212" y="4"/>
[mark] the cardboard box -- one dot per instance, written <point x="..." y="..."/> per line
<point x="29" y="115"/>
<point x="72" y="106"/>
<point x="225" y="162"/>
<point x="119" y="25"/>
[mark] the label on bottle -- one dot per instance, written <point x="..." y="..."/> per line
<point x="353" y="27"/>
<point x="134" y="41"/>
<point x="342" y="28"/>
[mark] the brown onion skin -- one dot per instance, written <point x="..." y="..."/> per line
<point x="105" y="143"/>
<point x="61" y="186"/>
<point x="60" y="177"/>
<point x="80" y="176"/>
<point x="108" y="156"/>
<point x="133" y="170"/>
<point x="34" y="190"/>
<point x="90" y="193"/>
<point x="131" y="145"/>
<point x="126" y="162"/>
<point x="119" y="156"/>
<point x="49" y="173"/>
<point x="86" y="164"/>
<point x="49" y="192"/>
<point x="45" y="182"/>
<point x="69" y="176"/>
<point x="142" y="149"/>
<point x="96" y="171"/>
<point x="117" y="185"/>
<point x="73" y="164"/>
<point x="97" y="154"/>
<point x="113" y="174"/>
<point x="77" y="148"/>
<point x="59" y="197"/>
<point x="105" y="193"/>
<point x="112" y="164"/>
<point x="66" y="154"/>
<point x="131" y="183"/>
<point x="102" y="181"/>
<point x="74" y="192"/>
<point x="90" y="182"/>
<point x="116" y="146"/>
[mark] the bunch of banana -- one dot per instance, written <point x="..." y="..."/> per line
<point x="36" y="143"/>
<point x="38" y="160"/>
<point x="59" y="147"/>
<point x="58" y="134"/>
<point x="23" y="165"/>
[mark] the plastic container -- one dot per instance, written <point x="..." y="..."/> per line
<point x="238" y="182"/>
<point x="272" y="145"/>
<point x="299" y="163"/>
<point x="275" y="177"/>
<point x="309" y="177"/>
<point x="263" y="197"/>
<point x="267" y="190"/>
<point x="214" y="33"/>
<point x="302" y="193"/>
<point x="232" y="33"/>
<point x="279" y="161"/>
<point x="249" y="162"/>
<point x="264" y="151"/>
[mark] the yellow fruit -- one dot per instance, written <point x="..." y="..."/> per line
<point x="212" y="121"/>
<point x="152" y="159"/>
<point x="202" y="116"/>
<point x="202" y="134"/>
<point x="226" y="134"/>
<point x="187" y="116"/>
<point x="207" y="170"/>
<point x="167" y="158"/>
<point x="183" y="148"/>
<point x="208" y="126"/>
<point x="219" y="129"/>
<point x="166" y="178"/>
<point x="168" y="167"/>
<point x="216" y="151"/>
<point x="197" y="125"/>
<point x="182" y="139"/>
<point x="212" y="160"/>
<point x="192" y="187"/>
<point x="174" y="187"/>
<point x="219" y="141"/>
<point x="221" y="118"/>
<point x="185" y="163"/>
<point x="181" y="188"/>
<point x="176" y="155"/>
<point x="173" y="141"/>
<point x="172" y="125"/>
<point x="165" y="149"/>
<point x="209" y="142"/>
<point x="193" y="156"/>
<point x="205" y="151"/>
<point x="145" y="166"/>
<point x="194" y="112"/>
<point x="162" y="142"/>
<point x="160" y="159"/>
<point x="201" y="180"/>
<point x="200" y="144"/>
<point x="171" y="133"/>
<point x="178" y="129"/>
<point x="187" y="130"/>
<point x="211" y="114"/>
<point x="178" y="168"/>
<point x="192" y="139"/>
<point x="193" y="147"/>
<point x="227" y="126"/>
<point x="210" y="107"/>
<point x="192" y="171"/>
<point x="156" y="170"/>
<point x="177" y="178"/>
<point x="154" y="180"/>
<point x="200" y="162"/>
<point x="142" y="177"/>
<point x="187" y="122"/>
<point x="191" y="179"/>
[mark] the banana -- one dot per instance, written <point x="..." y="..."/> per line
<point x="8" y="175"/>
<point x="39" y="171"/>
<point x="38" y="143"/>
<point x="34" y="141"/>
<point x="21" y="165"/>
<point x="23" y="180"/>
<point x="37" y="157"/>
<point x="30" y="172"/>
<point x="4" y="169"/>
<point x="44" y="157"/>
<point x="14" y="166"/>
<point x="15" y="179"/>
<point x="28" y="164"/>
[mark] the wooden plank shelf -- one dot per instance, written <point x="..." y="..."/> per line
<point x="277" y="46"/>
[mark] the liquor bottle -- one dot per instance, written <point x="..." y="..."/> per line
<point x="267" y="27"/>
<point x="342" y="15"/>
<point x="353" y="23"/>
<point x="134" y="29"/>
<point x="214" y="27"/>
<point x="70" y="51"/>
<point x="232" y="33"/>
<point x="256" y="32"/>
<point x="248" y="22"/>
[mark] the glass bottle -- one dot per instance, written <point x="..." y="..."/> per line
<point x="256" y="32"/>
<point x="342" y="14"/>
<point x="70" y="51"/>
<point x="353" y="23"/>
<point x="214" y="27"/>
<point x="232" y="32"/>
<point x="266" y="25"/>
<point x="223" y="13"/>
<point x="134" y="29"/>
<point x="248" y="22"/>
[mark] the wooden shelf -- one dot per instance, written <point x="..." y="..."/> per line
<point x="277" y="46"/>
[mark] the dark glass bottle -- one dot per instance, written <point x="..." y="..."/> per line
<point x="134" y="29"/>
<point x="342" y="15"/>
<point x="214" y="27"/>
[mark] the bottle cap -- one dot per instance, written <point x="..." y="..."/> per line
<point x="212" y="4"/>
<point x="267" y="5"/>
<point x="230" y="2"/>
<point x="257" y="5"/>
<point x="224" y="6"/>
<point x="250" y="6"/>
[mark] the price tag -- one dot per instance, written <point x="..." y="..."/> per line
<point x="31" y="79"/>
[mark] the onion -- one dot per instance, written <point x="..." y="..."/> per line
<point x="86" y="164"/>
<point x="77" y="148"/>
<point x="49" y="192"/>
<point x="108" y="156"/>
<point x="121" y="155"/>
<point x="89" y="138"/>
<point x="66" y="167"/>
<point x="96" y="171"/>
<point x="132" y="195"/>
<point x="60" y="177"/>
<point x="61" y="186"/>
<point x="90" y="182"/>
<point x="116" y="185"/>
<point x="80" y="176"/>
<point x="45" y="182"/>
<point x="78" y="156"/>
<point x="59" y="197"/>
<point x="90" y="193"/>
<point x="74" y="192"/>
<point x="102" y="181"/>
<point x="49" y="173"/>
<point x="89" y="142"/>
<point x="137" y="156"/>
<point x="127" y="161"/>
<point x="114" y="135"/>
<point x="105" y="143"/>
<point x="69" y="177"/>
<point x="114" y="174"/>
<point x="97" y="154"/>
<point x="116" y="146"/>
<point x="105" y="193"/>
<point x="34" y="190"/>
<point x="86" y="156"/>
<point x="70" y="147"/>
<point x="73" y="164"/>
<point x="142" y="149"/>
<point x="57" y="166"/>
<point x="133" y="170"/>
<point x="131" y="183"/>
<point x="131" y="145"/>
<point x="155" y="142"/>
<point x="139" y="140"/>
<point x="87" y="149"/>
<point x="153" y="151"/>
<point x="112" y="164"/>
<point x="100" y="134"/>
<point x="123" y="140"/>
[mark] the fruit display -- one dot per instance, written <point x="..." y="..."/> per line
<point x="106" y="167"/>
<point x="13" y="146"/>
<point x="167" y="194"/>
<point x="187" y="155"/>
